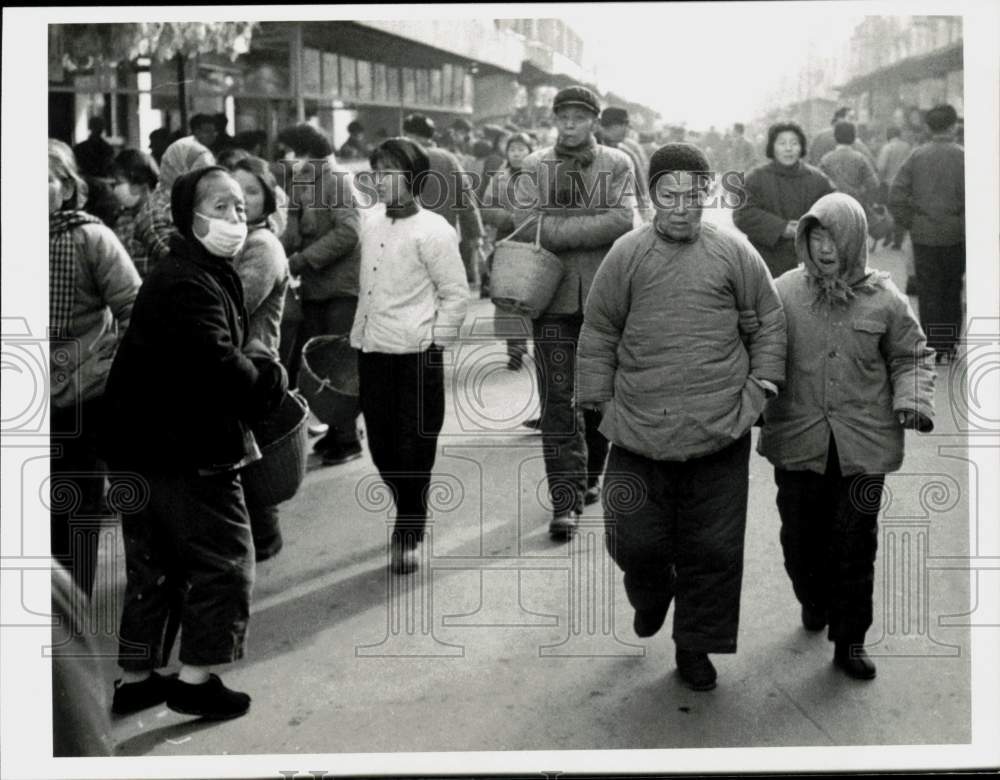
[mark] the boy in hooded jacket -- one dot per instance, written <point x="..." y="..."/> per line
<point x="859" y="372"/>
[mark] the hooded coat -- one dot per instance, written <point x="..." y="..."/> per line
<point x="856" y="357"/>
<point x="776" y="194"/>
<point x="181" y="367"/>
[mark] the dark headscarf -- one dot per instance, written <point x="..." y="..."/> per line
<point x="183" y="196"/>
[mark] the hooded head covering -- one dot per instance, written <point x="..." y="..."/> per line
<point x="182" y="198"/>
<point x="183" y="155"/>
<point x="845" y="218"/>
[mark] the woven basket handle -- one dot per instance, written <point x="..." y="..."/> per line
<point x="538" y="232"/>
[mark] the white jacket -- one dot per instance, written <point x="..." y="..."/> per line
<point x="413" y="291"/>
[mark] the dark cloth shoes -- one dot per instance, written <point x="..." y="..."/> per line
<point x="855" y="664"/>
<point x="534" y="423"/>
<point x="210" y="700"/>
<point x="695" y="670"/>
<point x="138" y="696"/>
<point x="648" y="621"/>
<point x="813" y="618"/>
<point x="592" y="496"/>
<point x="563" y="527"/>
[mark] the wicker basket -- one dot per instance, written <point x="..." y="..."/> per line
<point x="282" y="439"/>
<point x="328" y="378"/>
<point x="525" y="276"/>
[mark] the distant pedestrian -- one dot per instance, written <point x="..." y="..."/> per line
<point x="355" y="147"/>
<point x="613" y="132"/>
<point x="413" y="302"/>
<point x="824" y="140"/>
<point x="205" y="129"/>
<point x="679" y="386"/>
<point x="498" y="214"/>
<point x="322" y="242"/>
<point x="890" y="159"/>
<point x="579" y="190"/>
<point x="778" y="192"/>
<point x="186" y="358"/>
<point x="92" y="286"/>
<point x="850" y="171"/>
<point x="859" y="372"/>
<point x="450" y="192"/>
<point x="928" y="198"/>
<point x="135" y="178"/>
<point x="742" y="155"/>
<point x="95" y="155"/>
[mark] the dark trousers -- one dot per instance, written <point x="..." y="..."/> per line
<point x="575" y="450"/>
<point x="940" y="273"/>
<point x="829" y="534"/>
<point x="76" y="490"/>
<point x="189" y="556"/>
<point x="333" y="317"/>
<point x="676" y="529"/>
<point x="402" y="399"/>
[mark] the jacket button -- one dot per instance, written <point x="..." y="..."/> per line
<point x="833" y="353"/>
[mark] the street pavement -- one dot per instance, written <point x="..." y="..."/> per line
<point x="505" y="640"/>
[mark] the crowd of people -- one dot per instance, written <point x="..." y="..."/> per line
<point x="185" y="310"/>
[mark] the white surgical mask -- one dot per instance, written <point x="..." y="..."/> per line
<point x="224" y="238"/>
<point x="123" y="192"/>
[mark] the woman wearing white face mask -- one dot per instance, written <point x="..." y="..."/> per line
<point x="187" y="357"/>
<point x="135" y="177"/>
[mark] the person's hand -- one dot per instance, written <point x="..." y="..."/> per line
<point x="914" y="421"/>
<point x="790" y="228"/>
<point x="255" y="349"/>
<point x="296" y="264"/>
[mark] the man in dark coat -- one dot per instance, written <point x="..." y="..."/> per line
<point x="928" y="198"/>
<point x="825" y="142"/>
<point x="449" y="192"/>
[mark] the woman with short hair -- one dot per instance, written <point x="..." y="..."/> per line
<point x="777" y="193"/>
<point x="136" y="175"/>
<point x="414" y="296"/>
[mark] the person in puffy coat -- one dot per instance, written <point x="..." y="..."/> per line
<point x="859" y="373"/>
<point x="498" y="213"/>
<point x="263" y="269"/>
<point x="663" y="357"/>
<point x="578" y="189"/>
<point x="187" y="367"/>
<point x="92" y="287"/>
<point x="778" y="192"/>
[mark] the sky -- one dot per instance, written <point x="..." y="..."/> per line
<point x="708" y="64"/>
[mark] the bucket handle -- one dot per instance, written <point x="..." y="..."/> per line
<point x="538" y="232"/>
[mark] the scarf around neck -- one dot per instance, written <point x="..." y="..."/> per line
<point x="570" y="160"/>
<point x="62" y="268"/>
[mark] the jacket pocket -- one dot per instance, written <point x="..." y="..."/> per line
<point x="867" y="337"/>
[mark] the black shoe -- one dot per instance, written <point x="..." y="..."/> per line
<point x="210" y="700"/>
<point x="695" y="670"/>
<point x="592" y="496"/>
<point x="265" y="550"/>
<point x="648" y="621"/>
<point x="515" y="364"/>
<point x="857" y="664"/>
<point x="341" y="453"/>
<point x="137" y="696"/>
<point x="813" y="619"/>
<point x="534" y="423"/>
<point x="563" y="527"/>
